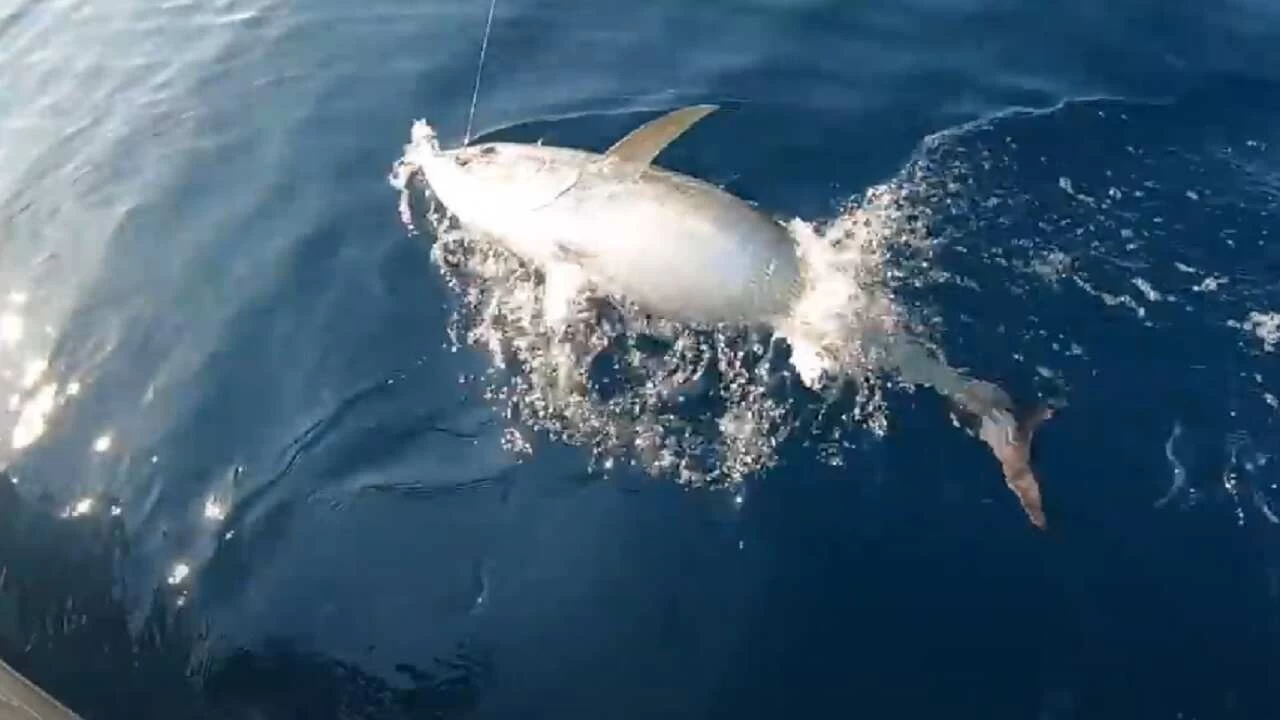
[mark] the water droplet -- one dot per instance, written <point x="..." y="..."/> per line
<point x="214" y="510"/>
<point x="179" y="573"/>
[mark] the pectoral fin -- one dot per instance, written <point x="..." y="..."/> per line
<point x="638" y="149"/>
<point x="563" y="283"/>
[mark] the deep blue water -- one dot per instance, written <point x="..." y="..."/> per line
<point x="248" y="483"/>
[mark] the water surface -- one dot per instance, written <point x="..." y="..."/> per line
<point x="252" y="477"/>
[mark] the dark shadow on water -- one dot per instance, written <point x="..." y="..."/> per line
<point x="65" y="624"/>
<point x="266" y="684"/>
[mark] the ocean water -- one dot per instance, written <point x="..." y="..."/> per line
<point x="272" y="453"/>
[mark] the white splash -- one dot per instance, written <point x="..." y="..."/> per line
<point x="179" y="573"/>
<point x="1266" y="326"/>
<point x="1179" y="471"/>
<point x="628" y="386"/>
<point x="1149" y="292"/>
<point x="1110" y="298"/>
<point x="215" y="509"/>
<point x="1211" y="284"/>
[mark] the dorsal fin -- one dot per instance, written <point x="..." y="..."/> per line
<point x="643" y="144"/>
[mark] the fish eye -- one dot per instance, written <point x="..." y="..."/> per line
<point x="487" y="150"/>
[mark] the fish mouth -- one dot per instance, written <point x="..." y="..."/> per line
<point x="423" y="134"/>
<point x="409" y="172"/>
<point x="418" y="200"/>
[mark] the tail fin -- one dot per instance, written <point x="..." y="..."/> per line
<point x="1015" y="461"/>
<point x="1010" y="440"/>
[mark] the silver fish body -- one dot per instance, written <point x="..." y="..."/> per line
<point x="676" y="246"/>
<point x="680" y="248"/>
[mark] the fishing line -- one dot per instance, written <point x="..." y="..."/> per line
<point x="475" y="93"/>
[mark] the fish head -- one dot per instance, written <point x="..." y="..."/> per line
<point x="476" y="170"/>
<point x="492" y="177"/>
<point x="446" y="172"/>
<point x="500" y="190"/>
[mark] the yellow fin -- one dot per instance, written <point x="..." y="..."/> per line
<point x="643" y="144"/>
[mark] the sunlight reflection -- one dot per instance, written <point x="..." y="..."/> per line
<point x="33" y="417"/>
<point x="30" y="394"/>
<point x="103" y="443"/>
<point x="32" y="372"/>
<point x="11" y="329"/>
